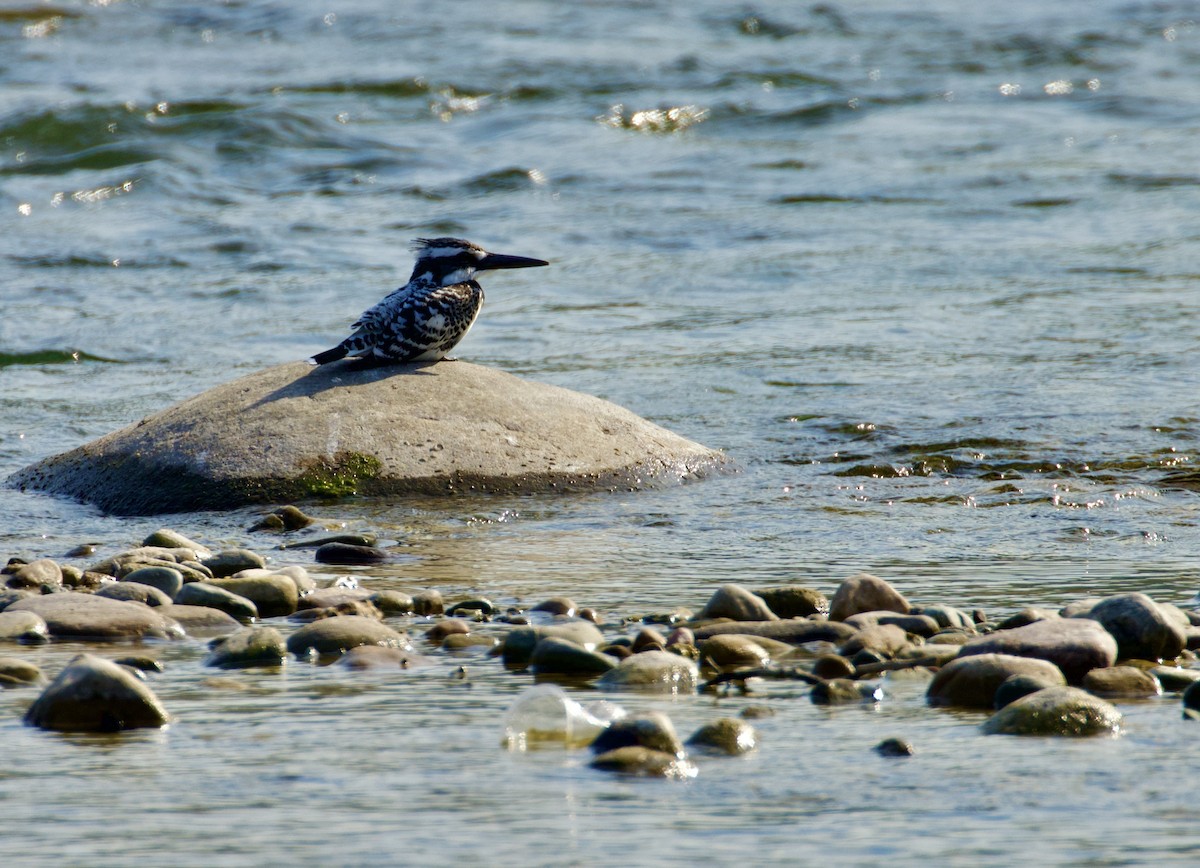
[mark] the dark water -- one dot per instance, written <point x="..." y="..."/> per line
<point x="928" y="271"/>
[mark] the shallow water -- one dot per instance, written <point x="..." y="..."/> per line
<point x="928" y="273"/>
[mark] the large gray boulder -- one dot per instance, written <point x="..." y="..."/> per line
<point x="294" y="431"/>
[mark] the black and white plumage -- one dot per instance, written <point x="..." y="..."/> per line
<point x="423" y="320"/>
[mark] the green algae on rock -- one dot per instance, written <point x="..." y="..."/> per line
<point x="293" y="432"/>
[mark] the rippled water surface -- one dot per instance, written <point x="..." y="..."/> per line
<point x="927" y="271"/>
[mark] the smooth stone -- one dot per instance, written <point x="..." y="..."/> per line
<point x="652" y="671"/>
<point x="520" y="642"/>
<point x="428" y="603"/>
<point x="469" y="641"/>
<point x="971" y="682"/>
<point x="468" y="608"/>
<point x="865" y="593"/>
<point x="200" y="620"/>
<point x="886" y="640"/>
<point x="557" y="606"/>
<point x="327" y="598"/>
<point x="1075" y="645"/>
<point x="42" y="573"/>
<point x="939" y="654"/>
<point x="919" y="625"/>
<point x="733" y="651"/>
<point x="1025" y="617"/>
<point x="195" y="594"/>
<point x="336" y="635"/>
<point x="96" y="695"/>
<point x="392" y="602"/>
<point x="843" y="691"/>
<point x="273" y="594"/>
<point x="1123" y="682"/>
<point x="248" y="647"/>
<point x="167" y="579"/>
<point x="342" y="429"/>
<point x="947" y="616"/>
<point x="830" y="666"/>
<point x="299" y="575"/>
<point x="140" y="662"/>
<point x="1016" y="686"/>
<point x="555" y="656"/>
<point x="738" y="604"/>
<point x="442" y="629"/>
<point x="229" y="561"/>
<point x="643" y="762"/>
<point x="1063" y="711"/>
<point x="344" y="554"/>
<point x="286" y="518"/>
<point x="652" y="730"/>
<point x="71" y="615"/>
<point x="727" y="735"/>
<point x="1144" y="630"/>
<point x="8" y="596"/>
<point x="1191" y="698"/>
<point x="895" y="747"/>
<point x="1173" y="679"/>
<point x="168" y="539"/>
<point x="648" y="637"/>
<point x="793" y="631"/>
<point x="134" y="592"/>
<point x="24" y="627"/>
<point x="16" y="672"/>
<point x="362" y="657"/>
<point x="794" y="601"/>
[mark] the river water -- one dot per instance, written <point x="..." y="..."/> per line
<point x="927" y="271"/>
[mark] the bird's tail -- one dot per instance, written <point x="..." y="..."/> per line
<point x="338" y="352"/>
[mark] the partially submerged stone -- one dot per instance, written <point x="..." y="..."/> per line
<point x="643" y="762"/>
<point x="248" y="647"/>
<point x="1075" y="645"/>
<point x="654" y="672"/>
<point x="865" y="593"/>
<point x="71" y="615"/>
<point x="1066" y="711"/>
<point x="728" y="735"/>
<point x="293" y="431"/>
<point x="335" y="635"/>
<point x="96" y="695"/>
<point x="972" y="682"/>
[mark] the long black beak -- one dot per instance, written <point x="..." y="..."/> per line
<point x="501" y="260"/>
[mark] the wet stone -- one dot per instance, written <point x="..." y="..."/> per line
<point x="336" y="635"/>
<point x="40" y="574"/>
<point x="1144" y="630"/>
<point x="167" y="579"/>
<point x="23" y="627"/>
<point x="643" y="762"/>
<point x="17" y="672"/>
<point x="1076" y="646"/>
<point x="362" y="657"/>
<point x="843" y="691"/>
<point x="652" y="730"/>
<point x="345" y="554"/>
<point x="226" y="563"/>
<point x="738" y="604"/>
<point x="392" y="603"/>
<point x="134" y="592"/>
<point x="273" y="595"/>
<point x="794" y="601"/>
<point x="286" y="518"/>
<point x="886" y="640"/>
<point x="1121" y="682"/>
<point x="1062" y="711"/>
<point x="725" y="735"/>
<point x="971" y="682"/>
<point x="467" y="607"/>
<point x="733" y="651"/>
<point x="96" y="695"/>
<point x="794" y="631"/>
<point x="520" y="642"/>
<point x="1015" y="686"/>
<point x="168" y="539"/>
<point x="442" y="629"/>
<point x="428" y="603"/>
<point x="829" y="666"/>
<point x="555" y="656"/>
<point x="920" y="625"/>
<point x="654" y="672"/>
<point x="248" y="647"/>
<point x="86" y="616"/>
<point x="947" y="617"/>
<point x="200" y="620"/>
<point x="326" y="598"/>
<point x="895" y="747"/>
<point x="210" y="596"/>
<point x="557" y="606"/>
<point x="865" y="593"/>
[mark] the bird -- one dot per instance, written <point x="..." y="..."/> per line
<point x="424" y="319"/>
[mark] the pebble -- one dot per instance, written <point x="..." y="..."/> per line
<point x="557" y="606"/>
<point x="794" y="601"/>
<point x="428" y="603"/>
<point x="727" y="735"/>
<point x="16" y="672"/>
<point x="248" y="647"/>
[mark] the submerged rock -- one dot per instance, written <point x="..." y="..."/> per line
<point x="972" y="682"/>
<point x="644" y="762"/>
<point x="652" y="730"/>
<point x="1065" y="711"/>
<point x="341" y="429"/>
<point x="96" y="695"/>
<point x="248" y="647"/>
<point x="727" y="735"/>
<point x="335" y="635"/>
<point x="652" y="671"/>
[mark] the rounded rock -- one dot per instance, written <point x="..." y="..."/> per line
<point x="1144" y="630"/>
<point x="24" y="627"/>
<point x="226" y="563"/>
<point x="1063" y="711"/>
<point x="1075" y="645"/>
<point x="865" y="593"/>
<point x="971" y="682"/>
<point x="42" y="573"/>
<point x="727" y="735"/>
<point x="200" y="620"/>
<point x="71" y="615"/>
<point x="167" y="579"/>
<point x="733" y="651"/>
<point x="555" y="656"/>
<point x="96" y="695"/>
<point x="212" y="597"/>
<point x="643" y="762"/>
<point x="248" y="647"/>
<point x="738" y="604"/>
<point x="428" y="602"/>
<point x="344" y="554"/>
<point x="652" y="730"/>
<point x="1123" y="682"/>
<point x="652" y="671"/>
<point x="272" y="594"/>
<point x="794" y="601"/>
<point x="16" y="672"/>
<point x="336" y="635"/>
<point x="134" y="592"/>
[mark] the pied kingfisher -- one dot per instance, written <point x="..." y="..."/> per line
<point x="423" y="320"/>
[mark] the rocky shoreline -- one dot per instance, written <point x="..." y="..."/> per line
<point x="1037" y="672"/>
